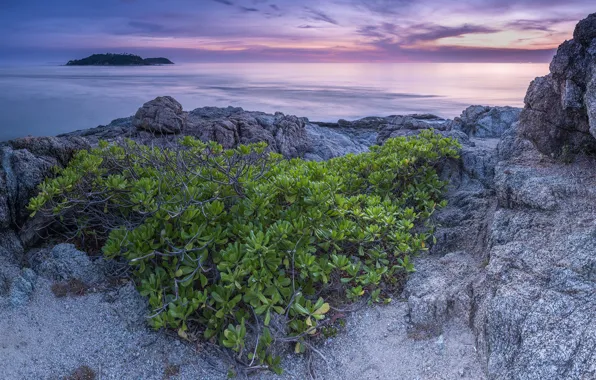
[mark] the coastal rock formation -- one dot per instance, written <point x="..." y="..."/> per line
<point x="525" y="283"/>
<point x="559" y="114"/>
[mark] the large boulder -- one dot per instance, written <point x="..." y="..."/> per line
<point x="231" y="126"/>
<point x="560" y="109"/>
<point x="162" y="115"/>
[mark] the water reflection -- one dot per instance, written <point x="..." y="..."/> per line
<point x="54" y="99"/>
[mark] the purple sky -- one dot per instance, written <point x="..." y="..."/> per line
<point x="291" y="30"/>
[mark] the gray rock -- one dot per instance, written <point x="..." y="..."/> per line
<point x="559" y="113"/>
<point x="487" y="122"/>
<point x="326" y="143"/>
<point x="215" y="112"/>
<point x="10" y="246"/>
<point x="64" y="262"/>
<point x="408" y="125"/>
<point x="22" y="287"/>
<point x="163" y="115"/>
<point x="440" y="290"/>
<point x="118" y="128"/>
<point x="25" y="163"/>
<point x="585" y="31"/>
<point x="590" y="102"/>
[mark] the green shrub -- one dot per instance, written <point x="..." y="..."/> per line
<point x="241" y="239"/>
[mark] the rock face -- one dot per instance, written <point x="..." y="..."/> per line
<point x="516" y="247"/>
<point x="559" y="114"/>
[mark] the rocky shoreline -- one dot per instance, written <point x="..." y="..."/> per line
<point x="513" y="273"/>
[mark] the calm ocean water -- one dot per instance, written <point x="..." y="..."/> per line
<point x="48" y="100"/>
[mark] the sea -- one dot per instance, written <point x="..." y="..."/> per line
<point x="53" y="99"/>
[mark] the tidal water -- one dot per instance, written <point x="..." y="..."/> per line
<point x="48" y="100"/>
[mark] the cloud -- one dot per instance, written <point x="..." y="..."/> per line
<point x="318" y="15"/>
<point x="146" y="26"/>
<point x="248" y="9"/>
<point x="545" y="25"/>
<point x="370" y="31"/>
<point x="420" y="32"/>
<point x="431" y="32"/>
<point x="385" y="7"/>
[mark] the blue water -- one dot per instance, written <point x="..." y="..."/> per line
<point x="48" y="100"/>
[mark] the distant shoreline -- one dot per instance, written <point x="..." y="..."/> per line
<point x="111" y="59"/>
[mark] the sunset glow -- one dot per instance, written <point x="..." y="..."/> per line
<point x="293" y="30"/>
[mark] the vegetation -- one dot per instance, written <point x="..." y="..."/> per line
<point x="110" y="59"/>
<point x="248" y="247"/>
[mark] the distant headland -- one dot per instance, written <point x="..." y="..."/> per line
<point x="111" y="59"/>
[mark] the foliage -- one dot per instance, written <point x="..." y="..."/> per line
<point x="241" y="239"/>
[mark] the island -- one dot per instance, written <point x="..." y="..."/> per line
<point x="110" y="59"/>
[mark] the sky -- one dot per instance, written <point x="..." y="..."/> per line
<point x="290" y="30"/>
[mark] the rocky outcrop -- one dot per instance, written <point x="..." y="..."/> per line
<point x="516" y="246"/>
<point x="559" y="115"/>
<point x="230" y="127"/>
<point x="515" y="260"/>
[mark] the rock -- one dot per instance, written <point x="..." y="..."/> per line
<point x="129" y="305"/>
<point x="10" y="246"/>
<point x="118" y="128"/>
<point x="440" y="290"/>
<point x="64" y="262"/>
<point x="511" y="146"/>
<point x="487" y="122"/>
<point x="585" y="30"/>
<point x="326" y="143"/>
<point x="22" y="287"/>
<point x="230" y="127"/>
<point x="163" y="115"/>
<point x="215" y="112"/>
<point x="61" y="149"/>
<point x="559" y="114"/>
<point x="25" y="163"/>
<point x="408" y="125"/>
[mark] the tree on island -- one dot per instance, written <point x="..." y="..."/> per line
<point x="125" y="59"/>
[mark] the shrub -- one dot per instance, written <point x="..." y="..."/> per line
<point x="239" y="239"/>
